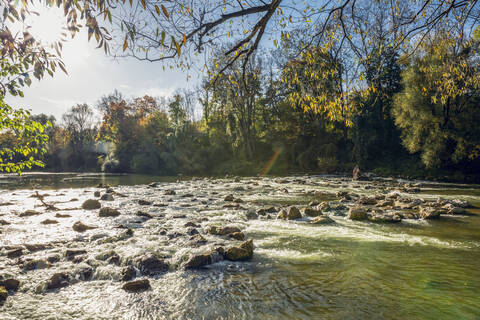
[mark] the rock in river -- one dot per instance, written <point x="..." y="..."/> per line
<point x="137" y="285"/>
<point x="322" y="220"/>
<point x="3" y="295"/>
<point x="91" y="204"/>
<point x="58" y="280"/>
<point x="221" y="231"/>
<point x="200" y="260"/>
<point x="29" y="213"/>
<point x="429" y="213"/>
<point x="384" y="218"/>
<point x="128" y="273"/>
<point x="107" y="197"/>
<point x="10" y="284"/>
<point x="151" y="265"/>
<point x="311" y="212"/>
<point x="243" y="252"/>
<point x="357" y="213"/>
<point x="80" y="227"/>
<point x="108" y="212"/>
<point x="290" y="213"/>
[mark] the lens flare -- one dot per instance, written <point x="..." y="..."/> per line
<point x="271" y="162"/>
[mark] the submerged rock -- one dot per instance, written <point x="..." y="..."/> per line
<point x="144" y="202"/>
<point x="108" y="212"/>
<point x="91" y="204"/>
<point x="137" y="285"/>
<point x="290" y="213"/>
<point x="243" y="252"/>
<point x="229" y="198"/>
<point x="357" y="213"/>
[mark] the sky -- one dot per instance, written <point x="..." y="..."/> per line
<point x="91" y="74"/>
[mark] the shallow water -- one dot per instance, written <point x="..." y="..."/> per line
<point x="349" y="270"/>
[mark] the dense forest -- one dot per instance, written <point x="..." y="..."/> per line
<point x="420" y="119"/>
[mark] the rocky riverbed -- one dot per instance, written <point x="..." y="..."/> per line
<point x="172" y="249"/>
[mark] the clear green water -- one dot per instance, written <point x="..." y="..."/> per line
<point x="350" y="270"/>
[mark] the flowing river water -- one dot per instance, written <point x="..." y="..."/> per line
<point x="415" y="269"/>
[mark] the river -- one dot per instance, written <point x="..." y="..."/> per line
<point x="415" y="269"/>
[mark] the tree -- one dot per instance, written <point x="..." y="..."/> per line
<point x="438" y="109"/>
<point x="81" y="130"/>
<point x="26" y="139"/>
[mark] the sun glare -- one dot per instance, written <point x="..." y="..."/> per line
<point x="48" y="26"/>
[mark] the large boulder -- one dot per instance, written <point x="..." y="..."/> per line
<point x="137" y="285"/>
<point x="240" y="253"/>
<point x="289" y="213"/>
<point x="108" y="212"/>
<point x="91" y="204"/>
<point x="357" y="213"/>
